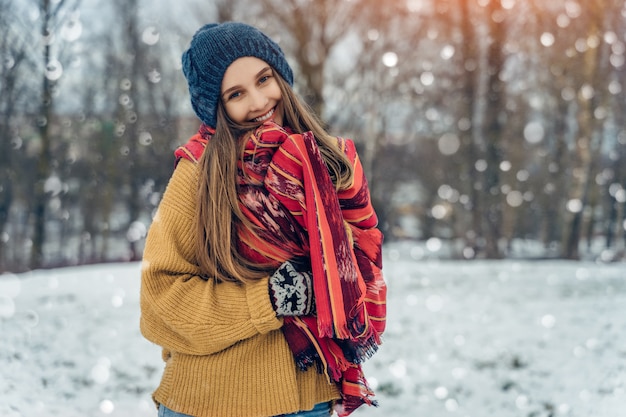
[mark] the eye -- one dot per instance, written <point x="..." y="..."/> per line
<point x="234" y="95"/>
<point x="264" y="78"/>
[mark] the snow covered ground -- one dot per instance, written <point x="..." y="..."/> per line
<point x="477" y="339"/>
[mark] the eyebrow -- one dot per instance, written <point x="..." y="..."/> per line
<point x="235" y="87"/>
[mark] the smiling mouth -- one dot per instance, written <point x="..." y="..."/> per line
<point x="266" y="116"/>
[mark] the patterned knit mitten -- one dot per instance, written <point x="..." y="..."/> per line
<point x="291" y="291"/>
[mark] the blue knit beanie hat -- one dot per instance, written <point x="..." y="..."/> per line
<point x="213" y="48"/>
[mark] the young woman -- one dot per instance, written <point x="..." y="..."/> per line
<point x="261" y="276"/>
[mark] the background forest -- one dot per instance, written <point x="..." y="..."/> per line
<point x="485" y="126"/>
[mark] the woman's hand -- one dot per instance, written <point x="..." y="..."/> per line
<point x="291" y="290"/>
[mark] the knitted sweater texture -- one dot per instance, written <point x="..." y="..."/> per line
<point x="224" y="352"/>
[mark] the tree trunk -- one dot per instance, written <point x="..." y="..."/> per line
<point x="129" y="115"/>
<point x="43" y="161"/>
<point x="583" y="175"/>
<point x="7" y="108"/>
<point x="470" y="151"/>
<point x="493" y="128"/>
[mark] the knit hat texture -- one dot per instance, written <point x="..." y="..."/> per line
<point x="213" y="48"/>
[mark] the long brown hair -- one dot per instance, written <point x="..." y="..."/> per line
<point x="218" y="212"/>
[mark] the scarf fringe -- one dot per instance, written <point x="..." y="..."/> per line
<point x="349" y="403"/>
<point x="358" y="353"/>
<point x="355" y="392"/>
<point x="308" y="357"/>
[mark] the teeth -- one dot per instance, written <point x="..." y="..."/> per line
<point x="266" y="117"/>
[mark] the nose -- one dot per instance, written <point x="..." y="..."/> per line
<point x="258" y="100"/>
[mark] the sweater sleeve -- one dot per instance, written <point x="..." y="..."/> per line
<point x="180" y="311"/>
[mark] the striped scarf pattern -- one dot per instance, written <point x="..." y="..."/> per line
<point x="286" y="191"/>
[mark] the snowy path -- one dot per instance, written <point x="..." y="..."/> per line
<point x="472" y="339"/>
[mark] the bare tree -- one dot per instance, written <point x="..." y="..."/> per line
<point x="14" y="48"/>
<point x="493" y="117"/>
<point x="43" y="164"/>
<point x="469" y="57"/>
<point x="149" y="90"/>
<point x="131" y="83"/>
<point x="616" y="185"/>
<point x="587" y="145"/>
<point x="52" y="15"/>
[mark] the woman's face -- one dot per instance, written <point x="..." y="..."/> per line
<point x="250" y="92"/>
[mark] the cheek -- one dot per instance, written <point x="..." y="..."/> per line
<point x="235" y="112"/>
<point x="280" y="116"/>
<point x="276" y="92"/>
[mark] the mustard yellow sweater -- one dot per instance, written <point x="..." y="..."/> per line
<point x="224" y="352"/>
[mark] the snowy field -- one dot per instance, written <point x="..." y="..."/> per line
<point x="476" y="339"/>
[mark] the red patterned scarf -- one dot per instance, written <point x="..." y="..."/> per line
<point x="285" y="189"/>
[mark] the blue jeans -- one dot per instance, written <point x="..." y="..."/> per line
<point x="166" y="412"/>
<point x="320" y="410"/>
